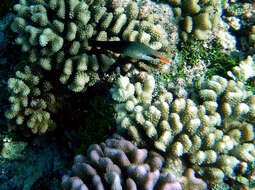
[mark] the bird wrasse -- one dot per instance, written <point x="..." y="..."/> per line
<point x="134" y="50"/>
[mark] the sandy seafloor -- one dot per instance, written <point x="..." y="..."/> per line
<point x="40" y="161"/>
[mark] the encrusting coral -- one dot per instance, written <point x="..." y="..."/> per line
<point x="119" y="164"/>
<point x="32" y="102"/>
<point x="56" y="33"/>
<point x="214" y="127"/>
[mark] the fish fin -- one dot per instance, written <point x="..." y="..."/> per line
<point x="163" y="60"/>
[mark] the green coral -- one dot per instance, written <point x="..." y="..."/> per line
<point x="32" y="102"/>
<point x="196" y="59"/>
<point x="237" y="9"/>
<point x="214" y="127"/>
<point x="217" y="62"/>
<point x="55" y="32"/>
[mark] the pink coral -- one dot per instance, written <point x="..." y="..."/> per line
<point x="119" y="164"/>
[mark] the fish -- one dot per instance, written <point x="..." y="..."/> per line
<point x="134" y="50"/>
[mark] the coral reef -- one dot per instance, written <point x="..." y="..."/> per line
<point x="240" y="18"/>
<point x="209" y="128"/>
<point x="86" y="72"/>
<point x="119" y="164"/>
<point x="32" y="101"/>
<point x="199" y="18"/>
<point x="56" y="33"/>
<point x="214" y="127"/>
<point x="198" y="59"/>
<point x="190" y="182"/>
<point x="13" y="150"/>
<point x="244" y="71"/>
<point x="37" y="167"/>
<point x="237" y="8"/>
<point x="252" y="37"/>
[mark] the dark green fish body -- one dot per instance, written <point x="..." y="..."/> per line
<point x="130" y="49"/>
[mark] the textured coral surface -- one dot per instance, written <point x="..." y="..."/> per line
<point x="55" y="35"/>
<point x="32" y="101"/>
<point x="119" y="164"/>
<point x="214" y="127"/>
<point x="184" y="133"/>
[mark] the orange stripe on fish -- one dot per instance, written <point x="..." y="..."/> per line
<point x="163" y="60"/>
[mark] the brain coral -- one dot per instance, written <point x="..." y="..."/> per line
<point x="119" y="164"/>
<point x="55" y="33"/>
<point x="214" y="128"/>
<point x="32" y="101"/>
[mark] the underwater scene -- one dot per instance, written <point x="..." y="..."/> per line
<point x="127" y="95"/>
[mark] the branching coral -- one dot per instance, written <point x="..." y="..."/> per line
<point x="190" y="182"/>
<point x="55" y="33"/>
<point x="119" y="164"/>
<point x="199" y="17"/>
<point x="32" y="102"/>
<point x="214" y="128"/>
<point x="244" y="71"/>
<point x="252" y="37"/>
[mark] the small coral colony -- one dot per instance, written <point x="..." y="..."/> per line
<point x="178" y="136"/>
